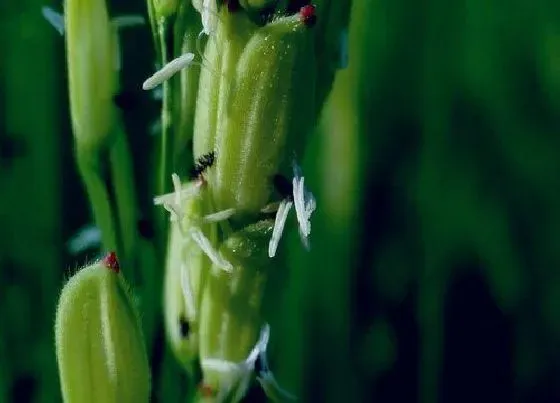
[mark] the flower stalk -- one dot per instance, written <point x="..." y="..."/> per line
<point x="256" y="104"/>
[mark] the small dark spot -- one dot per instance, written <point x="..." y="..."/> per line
<point x="295" y="5"/>
<point x="283" y="186"/>
<point x="10" y="149"/>
<point x="255" y="394"/>
<point x="145" y="228"/>
<point x="202" y="164"/>
<point x="127" y="100"/>
<point x="184" y="327"/>
<point x="259" y="367"/>
<point x="233" y="5"/>
<point x="23" y="389"/>
<point x="11" y="271"/>
<point x="197" y="374"/>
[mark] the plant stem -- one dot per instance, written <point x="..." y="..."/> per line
<point x="138" y="254"/>
<point x="122" y="177"/>
<point x="166" y="128"/>
<point x="90" y="170"/>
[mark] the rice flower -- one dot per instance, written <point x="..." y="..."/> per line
<point x="99" y="343"/>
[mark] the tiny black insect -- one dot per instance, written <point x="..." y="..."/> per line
<point x="202" y="164"/>
<point x="283" y="186"/>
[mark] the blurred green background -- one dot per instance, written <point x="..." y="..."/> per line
<point x="434" y="274"/>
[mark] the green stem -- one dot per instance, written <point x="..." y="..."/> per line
<point x="153" y="25"/>
<point x="166" y="127"/>
<point x="90" y="170"/>
<point x="122" y="176"/>
<point x="137" y="252"/>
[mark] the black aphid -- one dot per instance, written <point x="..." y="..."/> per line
<point x="202" y="164"/>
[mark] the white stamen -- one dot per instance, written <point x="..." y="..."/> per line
<point x="88" y="237"/>
<point x="210" y="16"/>
<point x="168" y="70"/>
<point x="177" y="186"/>
<point x="304" y="240"/>
<point x="215" y="364"/>
<point x="206" y="246"/>
<point x="54" y="18"/>
<point x="173" y="202"/>
<point x="187" y="292"/>
<point x="264" y="337"/>
<point x="174" y="212"/>
<point x="238" y="375"/>
<point x="304" y="201"/>
<point x="208" y="10"/>
<point x="220" y="215"/>
<point x="279" y="223"/>
<point x="269" y="383"/>
<point x="128" y="21"/>
<point x="297" y="184"/>
<point x="266" y="377"/>
<point x="184" y="192"/>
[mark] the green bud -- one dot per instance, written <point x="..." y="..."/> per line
<point x="92" y="70"/>
<point x="99" y="344"/>
<point x="221" y="55"/>
<point x="264" y="107"/>
<point x="230" y="316"/>
<point x="185" y="265"/>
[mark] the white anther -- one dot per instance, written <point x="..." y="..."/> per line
<point x="88" y="237"/>
<point x="206" y="246"/>
<point x="173" y="202"/>
<point x="168" y="70"/>
<point x="54" y="18"/>
<point x="238" y="375"/>
<point x="219" y="216"/>
<point x="208" y="10"/>
<point x="304" y="202"/>
<point x="279" y="223"/>
<point x="187" y="292"/>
